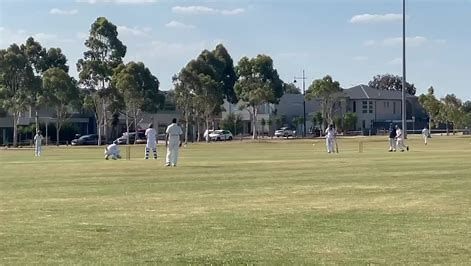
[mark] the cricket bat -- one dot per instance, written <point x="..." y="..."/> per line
<point x="336" y="147"/>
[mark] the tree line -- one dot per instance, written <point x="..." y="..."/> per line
<point x="32" y="76"/>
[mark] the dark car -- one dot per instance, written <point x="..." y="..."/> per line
<point x="91" y="139"/>
<point x="141" y="137"/>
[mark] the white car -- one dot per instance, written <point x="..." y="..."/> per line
<point x="284" y="132"/>
<point x="221" y="135"/>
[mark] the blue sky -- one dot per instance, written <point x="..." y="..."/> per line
<point x="352" y="40"/>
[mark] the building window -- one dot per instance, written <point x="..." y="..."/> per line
<point x="354" y="106"/>
<point x="371" y="107"/>
<point x="394" y="107"/>
<point x="365" y="107"/>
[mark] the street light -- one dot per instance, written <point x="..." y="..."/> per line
<point x="304" y="101"/>
<point x="404" y="123"/>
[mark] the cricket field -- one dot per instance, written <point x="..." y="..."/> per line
<point x="265" y="202"/>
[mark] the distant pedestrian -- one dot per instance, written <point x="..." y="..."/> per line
<point x="113" y="151"/>
<point x="425" y="134"/>
<point x="173" y="142"/>
<point x="330" y="138"/>
<point x="400" y="139"/>
<point x="392" y="138"/>
<point x="38" y="139"/>
<point x="151" y="136"/>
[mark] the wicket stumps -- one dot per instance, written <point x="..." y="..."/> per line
<point x="128" y="152"/>
<point x="360" y="146"/>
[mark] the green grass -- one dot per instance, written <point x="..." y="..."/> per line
<point x="269" y="202"/>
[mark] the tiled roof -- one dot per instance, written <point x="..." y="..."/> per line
<point x="366" y="92"/>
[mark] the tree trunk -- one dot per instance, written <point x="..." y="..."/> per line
<point x="135" y="128"/>
<point x="254" y="123"/>
<point x="207" y="129"/>
<point x="15" y="128"/>
<point x="187" y="124"/>
<point x="198" y="131"/>
<point x="127" y="127"/>
<point x="104" y="122"/>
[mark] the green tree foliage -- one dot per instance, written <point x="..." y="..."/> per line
<point x="451" y="111"/>
<point x="350" y="121"/>
<point x="258" y="83"/>
<point x="328" y="91"/>
<point x="391" y="82"/>
<point x="432" y="106"/>
<point x="104" y="53"/>
<point x="139" y="90"/>
<point x="60" y="92"/>
<point x="16" y="80"/>
<point x="204" y="83"/>
<point x="233" y="122"/>
<point x="290" y="88"/>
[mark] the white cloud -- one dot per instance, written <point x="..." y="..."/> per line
<point x="117" y="1"/>
<point x="396" y="61"/>
<point x="416" y="41"/>
<point x="134" y="31"/>
<point x="360" y="58"/>
<point x="179" y="25"/>
<point x="369" y="43"/>
<point x="204" y="10"/>
<point x="162" y="49"/>
<point x="233" y="12"/>
<point x="375" y="18"/>
<point x="57" y="11"/>
<point x="410" y="41"/>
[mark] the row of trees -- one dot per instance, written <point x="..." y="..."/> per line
<point x="449" y="110"/>
<point x="32" y="76"/>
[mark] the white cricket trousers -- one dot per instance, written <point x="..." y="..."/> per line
<point x="329" y="142"/>
<point x="172" y="152"/>
<point x="400" y="144"/>
<point x="37" y="150"/>
<point x="151" y="145"/>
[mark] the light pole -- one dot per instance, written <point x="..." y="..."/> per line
<point x="404" y="122"/>
<point x="304" y="101"/>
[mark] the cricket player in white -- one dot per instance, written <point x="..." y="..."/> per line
<point x="113" y="151"/>
<point x="38" y="138"/>
<point x="425" y="134"/>
<point x="172" y="142"/>
<point x="400" y="139"/>
<point x="151" y="136"/>
<point x="330" y="138"/>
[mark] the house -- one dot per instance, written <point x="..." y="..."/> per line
<point x="376" y="109"/>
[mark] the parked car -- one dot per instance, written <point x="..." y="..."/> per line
<point x="90" y="139"/>
<point x="141" y="137"/>
<point x="221" y="135"/>
<point x="284" y="132"/>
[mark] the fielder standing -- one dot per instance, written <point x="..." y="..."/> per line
<point x="400" y="139"/>
<point x="392" y="138"/>
<point x="173" y="142"/>
<point x="38" y="139"/>
<point x="330" y="138"/>
<point x="151" y="136"/>
<point x="425" y="134"/>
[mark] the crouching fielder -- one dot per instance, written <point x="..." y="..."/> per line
<point x="173" y="143"/>
<point x="113" y="151"/>
<point x="330" y="138"/>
